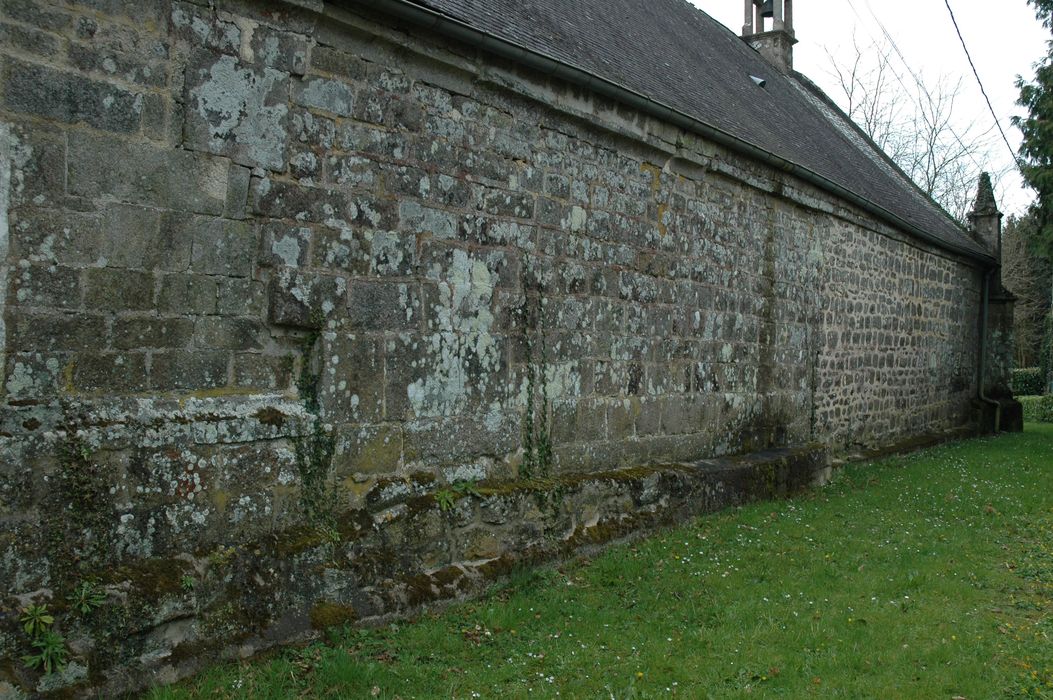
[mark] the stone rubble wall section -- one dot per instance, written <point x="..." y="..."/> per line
<point x="196" y="189"/>
<point x="216" y="212"/>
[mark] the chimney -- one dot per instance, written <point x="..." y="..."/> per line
<point x="775" y="44"/>
<point x="985" y="219"/>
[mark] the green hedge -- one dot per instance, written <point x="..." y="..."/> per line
<point x="1037" y="409"/>
<point x="1027" y="381"/>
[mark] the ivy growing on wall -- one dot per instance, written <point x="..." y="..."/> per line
<point x="315" y="449"/>
<point x="537" y="439"/>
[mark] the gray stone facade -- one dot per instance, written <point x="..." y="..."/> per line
<point x="273" y="265"/>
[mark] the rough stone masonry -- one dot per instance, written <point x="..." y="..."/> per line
<point x="310" y="319"/>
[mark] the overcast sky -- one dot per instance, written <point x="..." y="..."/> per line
<point x="1004" y="38"/>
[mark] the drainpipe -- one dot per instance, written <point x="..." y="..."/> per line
<point x="982" y="394"/>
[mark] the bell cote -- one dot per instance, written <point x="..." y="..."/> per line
<point x="774" y="41"/>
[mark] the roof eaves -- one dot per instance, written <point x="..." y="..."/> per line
<point x="453" y="28"/>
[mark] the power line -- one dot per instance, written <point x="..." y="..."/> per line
<point x="921" y="84"/>
<point x="917" y="79"/>
<point x="978" y="81"/>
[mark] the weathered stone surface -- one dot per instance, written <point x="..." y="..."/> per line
<point x="35" y="331"/>
<point x="305" y="299"/>
<point x="237" y="110"/>
<point x="273" y="282"/>
<point x="344" y="65"/>
<point x="332" y="96"/>
<point x="67" y="97"/>
<point x="52" y="286"/>
<point x="380" y="306"/>
<point x="29" y="40"/>
<point x="138" y="237"/>
<point x="229" y="333"/>
<point x="118" y="372"/>
<point x="265" y="372"/>
<point x="39" y="154"/>
<point x="281" y="200"/>
<point x="352" y="388"/>
<point x="36" y="15"/>
<point x="183" y="370"/>
<point x="220" y="246"/>
<point x="132" y="333"/>
<point x="146" y="69"/>
<point x="284" y="245"/>
<point x="132" y="172"/>
<point x="367" y="450"/>
<point x="240" y="296"/>
<point x="119" y="290"/>
<point x="283" y="51"/>
<point x="199" y="26"/>
<point x="192" y="294"/>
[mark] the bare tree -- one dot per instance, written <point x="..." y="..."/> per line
<point x="915" y="124"/>
<point x="866" y="93"/>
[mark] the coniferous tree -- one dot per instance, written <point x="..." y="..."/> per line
<point x="1036" y="155"/>
<point x="1036" y="149"/>
<point x="1027" y="275"/>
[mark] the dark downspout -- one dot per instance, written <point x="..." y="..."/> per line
<point x="981" y="394"/>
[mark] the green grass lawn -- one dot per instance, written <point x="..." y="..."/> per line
<point x="924" y="576"/>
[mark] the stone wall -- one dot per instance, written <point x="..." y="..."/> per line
<point x="271" y="263"/>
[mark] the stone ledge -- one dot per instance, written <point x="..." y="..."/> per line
<point x="913" y="444"/>
<point x="392" y="561"/>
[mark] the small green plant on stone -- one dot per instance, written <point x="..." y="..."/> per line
<point x="445" y="498"/>
<point x="221" y="556"/>
<point x="187" y="582"/>
<point x="87" y="596"/>
<point x="51" y="652"/>
<point x="467" y="487"/>
<point x="329" y="533"/>
<point x="50" y="646"/>
<point x="36" y="620"/>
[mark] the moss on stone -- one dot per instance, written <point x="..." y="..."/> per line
<point x="421" y="589"/>
<point x="150" y="578"/>
<point x="498" y="568"/>
<point x="77" y="517"/>
<point x="190" y="650"/>
<point x="220" y="498"/>
<point x="602" y="532"/>
<point x="327" y="614"/>
<point x="271" y="416"/>
<point x="569" y="481"/>
<point x="228" y="622"/>
<point x="379" y="455"/>
<point x="296" y="540"/>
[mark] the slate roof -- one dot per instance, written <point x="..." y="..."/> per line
<point x="674" y="54"/>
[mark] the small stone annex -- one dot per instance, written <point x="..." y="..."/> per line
<point x="319" y="311"/>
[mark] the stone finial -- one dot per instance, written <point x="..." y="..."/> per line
<point x="985" y="199"/>
<point x="985" y="219"/>
<point x="776" y="43"/>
